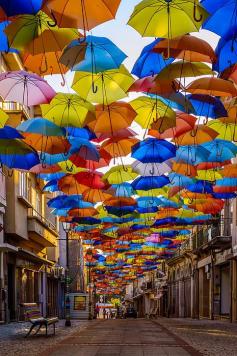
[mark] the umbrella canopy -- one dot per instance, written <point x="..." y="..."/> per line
<point x="182" y="69"/>
<point x="152" y="169"/>
<point x="119" y="147"/>
<point x="16" y="7"/>
<point x="152" y="150"/>
<point x="68" y="110"/>
<point x="105" y="87"/>
<point x="85" y="15"/>
<point x="112" y="118"/>
<point x="212" y="86"/>
<point x="186" y="47"/>
<point x="95" y="54"/>
<point x="119" y="174"/>
<point x="25" y="88"/>
<point x="147" y="183"/>
<point x="197" y="136"/>
<point x="168" y="19"/>
<point x="39" y="125"/>
<point x="8" y="132"/>
<point x="153" y="112"/>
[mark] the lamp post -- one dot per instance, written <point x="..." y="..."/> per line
<point x="67" y="229"/>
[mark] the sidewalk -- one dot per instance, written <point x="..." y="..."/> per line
<point x="210" y="337"/>
<point x="12" y="341"/>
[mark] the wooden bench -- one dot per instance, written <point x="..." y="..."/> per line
<point x="33" y="315"/>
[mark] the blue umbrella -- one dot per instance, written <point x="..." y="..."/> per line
<point x="51" y="186"/>
<point x="223" y="16"/>
<point x="123" y="189"/>
<point x="4" y="45"/>
<point x="147" y="183"/>
<point x="220" y="150"/>
<point x="226" y="51"/>
<point x="192" y="154"/>
<point x="147" y="210"/>
<point x="84" y="149"/>
<point x="84" y="133"/>
<point x="176" y="101"/>
<point x="224" y="195"/>
<point x="65" y="201"/>
<point x="120" y="211"/>
<point x="25" y="162"/>
<point x="8" y="132"/>
<point x="39" y="125"/>
<point x="49" y="176"/>
<point x="49" y="159"/>
<point x="166" y="203"/>
<point x="95" y="54"/>
<point x="208" y="106"/>
<point x="179" y="180"/>
<point x="21" y="7"/>
<point x="201" y="186"/>
<point x="152" y="150"/>
<point x="86" y="221"/>
<point x="149" y="62"/>
<point x="144" y="202"/>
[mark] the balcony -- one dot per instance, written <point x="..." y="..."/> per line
<point x="14" y="109"/>
<point x="41" y="230"/>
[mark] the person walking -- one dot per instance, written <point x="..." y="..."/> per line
<point x="104" y="313"/>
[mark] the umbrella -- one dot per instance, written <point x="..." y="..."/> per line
<point x="8" y="132"/>
<point x="84" y="148"/>
<point x="119" y="147"/>
<point x="168" y="19"/>
<point x="44" y="63"/>
<point x="104" y="160"/>
<point x="149" y="62"/>
<point x="16" y="7"/>
<point x="151" y="169"/>
<point x="183" y="69"/>
<point x="147" y="183"/>
<point x="197" y="136"/>
<point x="25" y="88"/>
<point x="49" y="144"/>
<point x="192" y="154"/>
<point x="152" y="150"/>
<point x="123" y="189"/>
<point x="226" y="52"/>
<point x="68" y="110"/>
<point x="220" y="150"/>
<point x="220" y="11"/>
<point x="39" y="125"/>
<point x="85" y="14"/>
<point x="212" y="86"/>
<point x="112" y="118"/>
<point x="69" y="184"/>
<point x="150" y="86"/>
<point x="95" y="195"/>
<point x="206" y="105"/>
<point x="153" y="111"/>
<point x="186" y="47"/>
<point x="225" y="130"/>
<point x="119" y="174"/>
<point x="105" y="87"/>
<point x="4" y="45"/>
<point x="95" y="54"/>
<point x="184" y="123"/>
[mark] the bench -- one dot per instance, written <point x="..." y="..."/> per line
<point x="33" y="315"/>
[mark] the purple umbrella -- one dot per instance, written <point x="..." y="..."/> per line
<point x="25" y="88"/>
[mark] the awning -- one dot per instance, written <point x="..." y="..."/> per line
<point x="33" y="257"/>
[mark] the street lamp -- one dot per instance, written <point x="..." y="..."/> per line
<point x="67" y="229"/>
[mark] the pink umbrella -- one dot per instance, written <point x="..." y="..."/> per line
<point x="155" y="238"/>
<point x="25" y="88"/>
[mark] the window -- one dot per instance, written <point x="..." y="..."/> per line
<point x="24" y="186"/>
<point x="38" y="203"/>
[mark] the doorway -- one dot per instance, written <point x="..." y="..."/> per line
<point x="225" y="290"/>
<point x="11" y="291"/>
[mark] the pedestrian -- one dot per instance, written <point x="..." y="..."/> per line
<point x="104" y="313"/>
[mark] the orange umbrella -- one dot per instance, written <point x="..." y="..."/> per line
<point x="159" y="87"/>
<point x="120" y="201"/>
<point x="230" y="171"/>
<point x="212" y="86"/>
<point x="187" y="47"/>
<point x="119" y="147"/>
<point x="211" y="165"/>
<point x="199" y="135"/>
<point x="184" y="169"/>
<point x="49" y="144"/>
<point x="111" y="118"/>
<point x="83" y="212"/>
<point x="69" y="185"/>
<point x="104" y="161"/>
<point x="95" y="195"/>
<point x="84" y="14"/>
<point x="44" y="63"/>
<point x="184" y="123"/>
<point x="41" y="168"/>
<point x="210" y="206"/>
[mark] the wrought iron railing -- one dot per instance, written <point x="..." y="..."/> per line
<point x="34" y="213"/>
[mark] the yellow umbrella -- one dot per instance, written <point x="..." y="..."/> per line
<point x="209" y="174"/>
<point x="3" y="118"/>
<point x="68" y="110"/>
<point x="151" y="112"/>
<point x="105" y="87"/>
<point x="119" y="174"/>
<point x="182" y="69"/>
<point x="167" y="19"/>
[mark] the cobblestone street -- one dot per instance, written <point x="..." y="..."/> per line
<point x="170" y="337"/>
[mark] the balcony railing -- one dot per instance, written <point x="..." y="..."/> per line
<point x="15" y="107"/>
<point x="35" y="214"/>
